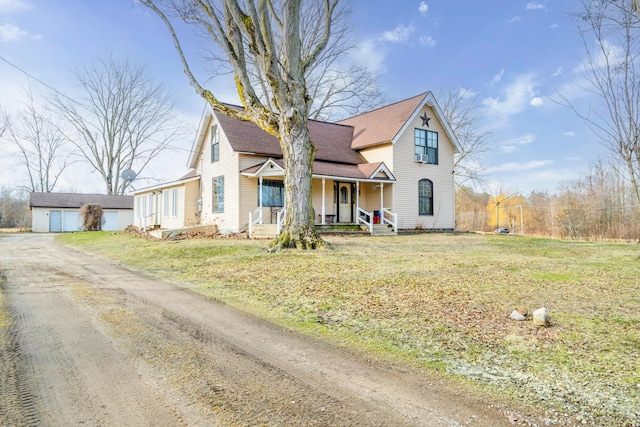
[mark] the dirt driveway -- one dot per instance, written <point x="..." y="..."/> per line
<point x="93" y="343"/>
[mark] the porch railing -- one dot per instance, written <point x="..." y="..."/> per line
<point x="280" y="217"/>
<point x="393" y="221"/>
<point x="258" y="220"/>
<point x="367" y="220"/>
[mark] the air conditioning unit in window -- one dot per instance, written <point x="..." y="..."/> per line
<point x="422" y="158"/>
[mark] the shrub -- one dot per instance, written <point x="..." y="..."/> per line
<point x="91" y="217"/>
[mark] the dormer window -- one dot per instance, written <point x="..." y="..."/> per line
<point x="215" y="144"/>
<point x="426" y="146"/>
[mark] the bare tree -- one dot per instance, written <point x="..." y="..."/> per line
<point x="338" y="86"/>
<point x="610" y="31"/>
<point x="268" y="35"/>
<point x="122" y="120"/>
<point x="41" y="144"/>
<point x="461" y="111"/>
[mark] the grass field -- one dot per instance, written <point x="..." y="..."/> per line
<point x="440" y="302"/>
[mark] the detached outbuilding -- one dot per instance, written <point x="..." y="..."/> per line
<point x="60" y="212"/>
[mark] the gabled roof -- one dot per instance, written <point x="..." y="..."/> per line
<point x="336" y="142"/>
<point x="332" y="140"/>
<point x="386" y="124"/>
<point x="77" y="200"/>
<point x="362" y="172"/>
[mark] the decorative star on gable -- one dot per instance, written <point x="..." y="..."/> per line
<point x="425" y="120"/>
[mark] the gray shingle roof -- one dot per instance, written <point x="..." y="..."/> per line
<point x="332" y="140"/>
<point x="381" y="125"/>
<point x="77" y="200"/>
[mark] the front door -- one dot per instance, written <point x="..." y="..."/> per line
<point x="344" y="198"/>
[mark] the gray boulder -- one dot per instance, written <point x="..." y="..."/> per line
<point x="541" y="317"/>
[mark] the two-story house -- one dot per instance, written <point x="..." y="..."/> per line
<point x="391" y="166"/>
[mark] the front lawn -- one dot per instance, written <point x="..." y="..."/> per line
<point x="440" y="302"/>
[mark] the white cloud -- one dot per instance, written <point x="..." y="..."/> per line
<point x="427" y="41"/>
<point x="423" y="8"/>
<point x="11" y="33"/>
<point x="496" y="79"/>
<point x="536" y="101"/>
<point x="515" y="19"/>
<point x="467" y="93"/>
<point x="535" y="6"/>
<point x="557" y="72"/>
<point x="400" y="34"/>
<point x="517" y="96"/>
<point x="569" y="133"/>
<point x="522" y="140"/>
<point x="514" y="166"/>
<point x="369" y="54"/>
<point x="14" y="6"/>
<point x="573" y="158"/>
<point x="512" y="145"/>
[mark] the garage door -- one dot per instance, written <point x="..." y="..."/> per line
<point x="71" y="221"/>
<point x="110" y="221"/>
<point x="55" y="221"/>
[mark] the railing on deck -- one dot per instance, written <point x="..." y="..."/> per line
<point x="280" y="217"/>
<point x="393" y="221"/>
<point x="142" y="221"/>
<point x="367" y="220"/>
<point x="253" y="221"/>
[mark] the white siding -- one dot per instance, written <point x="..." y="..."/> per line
<point x="408" y="173"/>
<point x="228" y="167"/>
<point x="380" y="153"/>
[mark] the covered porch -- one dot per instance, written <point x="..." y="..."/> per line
<point x="342" y="195"/>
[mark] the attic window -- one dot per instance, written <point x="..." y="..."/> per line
<point x="215" y="144"/>
<point x="426" y="146"/>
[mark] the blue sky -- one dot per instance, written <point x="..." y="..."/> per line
<point x="514" y="56"/>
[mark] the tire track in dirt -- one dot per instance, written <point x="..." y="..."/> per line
<point x="18" y="401"/>
<point x="111" y="347"/>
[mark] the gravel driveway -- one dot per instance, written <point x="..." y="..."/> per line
<point x="90" y="342"/>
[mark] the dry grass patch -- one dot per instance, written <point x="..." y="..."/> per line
<point x="440" y="301"/>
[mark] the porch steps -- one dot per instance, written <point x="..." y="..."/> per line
<point x="268" y="231"/>
<point x="264" y="231"/>
<point x="382" y="230"/>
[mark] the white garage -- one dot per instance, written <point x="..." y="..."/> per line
<point x="60" y="212"/>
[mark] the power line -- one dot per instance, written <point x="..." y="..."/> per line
<point x="26" y="73"/>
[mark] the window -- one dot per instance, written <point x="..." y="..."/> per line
<point x="174" y="202"/>
<point x="218" y="194"/>
<point x="215" y="144"/>
<point x="426" y="143"/>
<point x="151" y="197"/>
<point x="425" y="197"/>
<point x="344" y="195"/>
<point x="165" y="201"/>
<point x="272" y="193"/>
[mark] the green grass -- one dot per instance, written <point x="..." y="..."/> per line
<point x="438" y="301"/>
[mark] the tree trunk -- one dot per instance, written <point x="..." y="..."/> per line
<point x="298" y="152"/>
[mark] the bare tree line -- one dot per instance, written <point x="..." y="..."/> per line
<point x="601" y="205"/>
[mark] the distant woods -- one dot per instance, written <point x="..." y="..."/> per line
<point x="14" y="209"/>
<point x="601" y="205"/>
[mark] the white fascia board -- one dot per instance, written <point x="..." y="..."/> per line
<point x="430" y="101"/>
<point x="165" y="185"/>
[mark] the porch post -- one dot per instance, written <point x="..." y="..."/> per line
<point x="357" y="199"/>
<point x="381" y="197"/>
<point x="324" y="210"/>
<point x="260" y="198"/>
